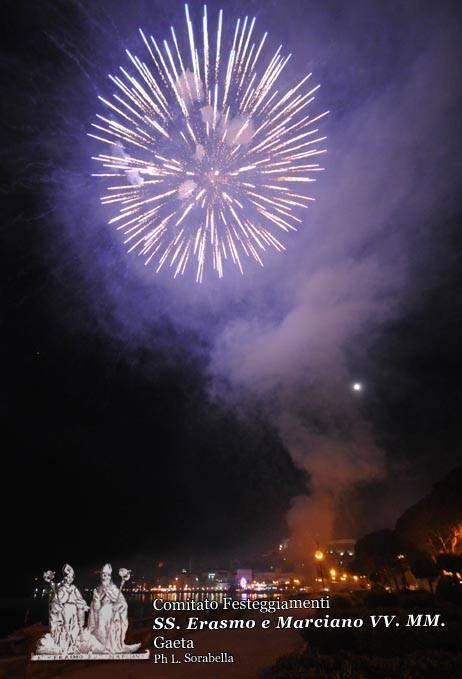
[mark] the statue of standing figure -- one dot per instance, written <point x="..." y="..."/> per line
<point x="108" y="619"/>
<point x="67" y="615"/>
<point x="107" y="622"/>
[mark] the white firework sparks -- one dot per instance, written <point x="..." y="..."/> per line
<point x="206" y="156"/>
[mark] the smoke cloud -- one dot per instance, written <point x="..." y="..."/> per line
<point x="350" y="276"/>
<point x="188" y="87"/>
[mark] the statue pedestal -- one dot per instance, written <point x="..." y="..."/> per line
<point x="91" y="656"/>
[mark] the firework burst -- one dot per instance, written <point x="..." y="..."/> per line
<point x="207" y="156"/>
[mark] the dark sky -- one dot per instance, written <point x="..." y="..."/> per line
<point x="136" y="420"/>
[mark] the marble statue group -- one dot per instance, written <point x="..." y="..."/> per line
<point x="107" y="622"/>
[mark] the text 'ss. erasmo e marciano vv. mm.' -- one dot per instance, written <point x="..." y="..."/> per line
<point x="263" y="606"/>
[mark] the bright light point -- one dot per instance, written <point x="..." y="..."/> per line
<point x="357" y="386"/>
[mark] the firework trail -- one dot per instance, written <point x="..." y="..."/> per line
<point x="205" y="158"/>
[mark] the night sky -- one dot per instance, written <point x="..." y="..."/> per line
<point x="145" y="418"/>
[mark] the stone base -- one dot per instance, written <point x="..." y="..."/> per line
<point x="92" y="656"/>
